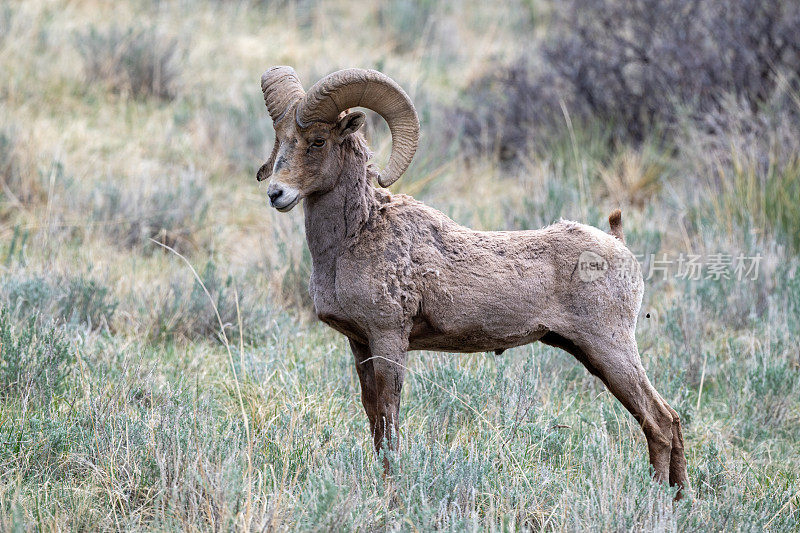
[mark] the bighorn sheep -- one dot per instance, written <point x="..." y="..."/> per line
<point x="393" y="274"/>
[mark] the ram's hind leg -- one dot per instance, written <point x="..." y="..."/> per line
<point x="619" y="367"/>
<point x="677" y="463"/>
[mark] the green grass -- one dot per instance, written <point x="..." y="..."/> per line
<point x="121" y="406"/>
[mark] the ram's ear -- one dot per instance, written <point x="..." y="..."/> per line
<point x="350" y="123"/>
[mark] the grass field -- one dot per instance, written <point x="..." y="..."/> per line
<point x="125" y="405"/>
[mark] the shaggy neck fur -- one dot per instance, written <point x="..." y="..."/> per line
<point x="333" y="217"/>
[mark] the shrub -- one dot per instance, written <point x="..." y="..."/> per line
<point x="132" y="62"/>
<point x="86" y="301"/>
<point x="170" y="211"/>
<point x="185" y="312"/>
<point x="634" y="67"/>
<point x="505" y="109"/>
<point x="34" y="361"/>
<point x="637" y="63"/>
<point x="72" y="300"/>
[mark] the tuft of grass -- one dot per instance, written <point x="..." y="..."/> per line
<point x="6" y="21"/>
<point x="405" y="21"/>
<point x="634" y="176"/>
<point x="745" y="172"/>
<point x="20" y="182"/>
<point x="754" y="194"/>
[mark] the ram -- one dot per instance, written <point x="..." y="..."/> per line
<point x="394" y="275"/>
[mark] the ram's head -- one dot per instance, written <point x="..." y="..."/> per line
<point x="310" y="129"/>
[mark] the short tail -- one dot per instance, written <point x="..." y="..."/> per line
<point x="615" y="221"/>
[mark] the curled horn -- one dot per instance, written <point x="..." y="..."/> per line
<point x="282" y="89"/>
<point x="370" y="89"/>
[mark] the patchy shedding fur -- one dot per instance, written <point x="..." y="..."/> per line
<point x="394" y="275"/>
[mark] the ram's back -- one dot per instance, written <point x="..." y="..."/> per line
<point x="494" y="290"/>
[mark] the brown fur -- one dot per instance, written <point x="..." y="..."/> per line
<point x="394" y="275"/>
<point x="615" y="222"/>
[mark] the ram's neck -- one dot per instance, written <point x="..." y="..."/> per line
<point x="335" y="217"/>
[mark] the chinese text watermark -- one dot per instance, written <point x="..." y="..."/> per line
<point x="592" y="266"/>
<point x="695" y="267"/>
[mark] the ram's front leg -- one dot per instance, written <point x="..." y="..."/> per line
<point x="366" y="376"/>
<point x="388" y="363"/>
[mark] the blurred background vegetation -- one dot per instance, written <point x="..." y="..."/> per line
<point x="121" y="404"/>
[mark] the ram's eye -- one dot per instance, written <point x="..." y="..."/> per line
<point x="318" y="143"/>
